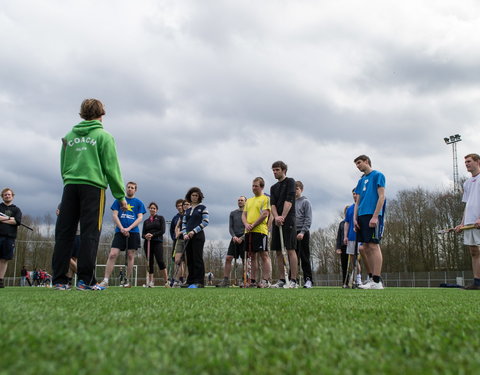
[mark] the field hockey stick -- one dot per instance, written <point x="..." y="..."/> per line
<point x="348" y="270"/>
<point x="23" y="225"/>
<point x="285" y="259"/>
<point x="148" y="262"/>
<point x="125" y="280"/>
<point x="354" y="267"/>
<point x="448" y="230"/>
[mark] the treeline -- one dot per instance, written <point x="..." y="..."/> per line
<point x="411" y="242"/>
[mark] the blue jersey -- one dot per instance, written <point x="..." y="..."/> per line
<point x="349" y="219"/>
<point x="367" y="190"/>
<point x="135" y="207"/>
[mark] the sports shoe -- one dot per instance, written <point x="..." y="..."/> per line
<point x="264" y="284"/>
<point x="167" y="285"/>
<point x="372" y="285"/>
<point x="127" y="285"/>
<point x="252" y="285"/>
<point x="82" y="286"/>
<point x="308" y="284"/>
<point x="62" y="287"/>
<point x="279" y="284"/>
<point x="292" y="285"/>
<point x="225" y="283"/>
<point x="104" y="284"/>
<point x="472" y="287"/>
<point x="366" y="284"/>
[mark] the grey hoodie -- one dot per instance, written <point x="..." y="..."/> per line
<point x="303" y="213"/>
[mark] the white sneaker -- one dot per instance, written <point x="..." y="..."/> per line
<point x="308" y="284"/>
<point x="365" y="285"/>
<point x="104" y="284"/>
<point x="264" y="284"/>
<point x="378" y="285"/>
<point x="279" y="284"/>
<point x="293" y="285"/>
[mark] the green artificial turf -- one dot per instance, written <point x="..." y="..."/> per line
<point x="239" y="331"/>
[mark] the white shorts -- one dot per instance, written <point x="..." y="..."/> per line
<point x="471" y="237"/>
<point x="351" y="247"/>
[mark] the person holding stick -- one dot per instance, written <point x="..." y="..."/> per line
<point x="127" y="234"/>
<point x="368" y="218"/>
<point x="194" y="223"/>
<point x="471" y="216"/>
<point x="282" y="200"/>
<point x="10" y="219"/>
<point x="153" y="231"/>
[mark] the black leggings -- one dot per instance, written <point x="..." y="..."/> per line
<point x="156" y="251"/>
<point x="194" y="251"/>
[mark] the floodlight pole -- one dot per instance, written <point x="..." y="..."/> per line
<point x="452" y="140"/>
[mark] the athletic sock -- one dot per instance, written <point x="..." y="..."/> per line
<point x="282" y="280"/>
<point x="376" y="279"/>
<point x="105" y="279"/>
<point x="181" y="279"/>
<point x="370" y="275"/>
<point x="225" y="278"/>
<point x="476" y="282"/>
<point x="294" y="280"/>
<point x="252" y="281"/>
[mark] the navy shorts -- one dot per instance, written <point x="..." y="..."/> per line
<point x="236" y="250"/>
<point x="7" y="248"/>
<point x="289" y="238"/>
<point x="367" y="234"/>
<point x="120" y="241"/>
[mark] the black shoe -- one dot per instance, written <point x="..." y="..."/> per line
<point x="472" y="287"/>
<point x="2" y="285"/>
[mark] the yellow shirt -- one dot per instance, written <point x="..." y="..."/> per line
<point x="254" y="208"/>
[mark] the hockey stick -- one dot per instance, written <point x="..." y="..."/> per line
<point x="23" y="225"/>
<point x="448" y="230"/>
<point x="147" y="282"/>
<point x="285" y="257"/>
<point x="348" y="270"/>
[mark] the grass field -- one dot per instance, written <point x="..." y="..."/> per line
<point x="239" y="331"/>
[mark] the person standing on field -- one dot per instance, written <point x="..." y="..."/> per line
<point x="89" y="164"/>
<point x="10" y="219"/>
<point x="282" y="200"/>
<point x="369" y="217"/>
<point x="303" y="217"/>
<point x="471" y="216"/>
<point x="255" y="219"/>
<point x="127" y="233"/>
<point x="153" y="231"/>
<point x="237" y="243"/>
<point x="193" y="230"/>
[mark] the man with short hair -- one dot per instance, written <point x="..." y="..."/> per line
<point x="303" y="217"/>
<point x="89" y="164"/>
<point x="369" y="216"/>
<point x="127" y="233"/>
<point x="9" y="221"/>
<point x="255" y="220"/>
<point x="236" y="246"/>
<point x="471" y="216"/>
<point x="282" y="200"/>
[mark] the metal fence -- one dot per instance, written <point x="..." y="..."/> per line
<point x="407" y="279"/>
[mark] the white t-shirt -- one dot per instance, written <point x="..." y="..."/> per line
<point x="471" y="196"/>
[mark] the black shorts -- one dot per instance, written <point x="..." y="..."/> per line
<point x="255" y="242"/>
<point x="367" y="234"/>
<point x="120" y="241"/>
<point x="289" y="238"/>
<point x="7" y="248"/>
<point x="236" y="250"/>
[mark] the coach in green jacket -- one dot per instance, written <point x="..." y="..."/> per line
<point x="89" y="164"/>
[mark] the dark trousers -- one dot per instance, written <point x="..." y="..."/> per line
<point x="156" y="252"/>
<point x="303" y="255"/>
<point x="344" y="263"/>
<point x="195" y="265"/>
<point x="84" y="204"/>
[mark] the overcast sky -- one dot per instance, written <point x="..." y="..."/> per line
<point x="210" y="93"/>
